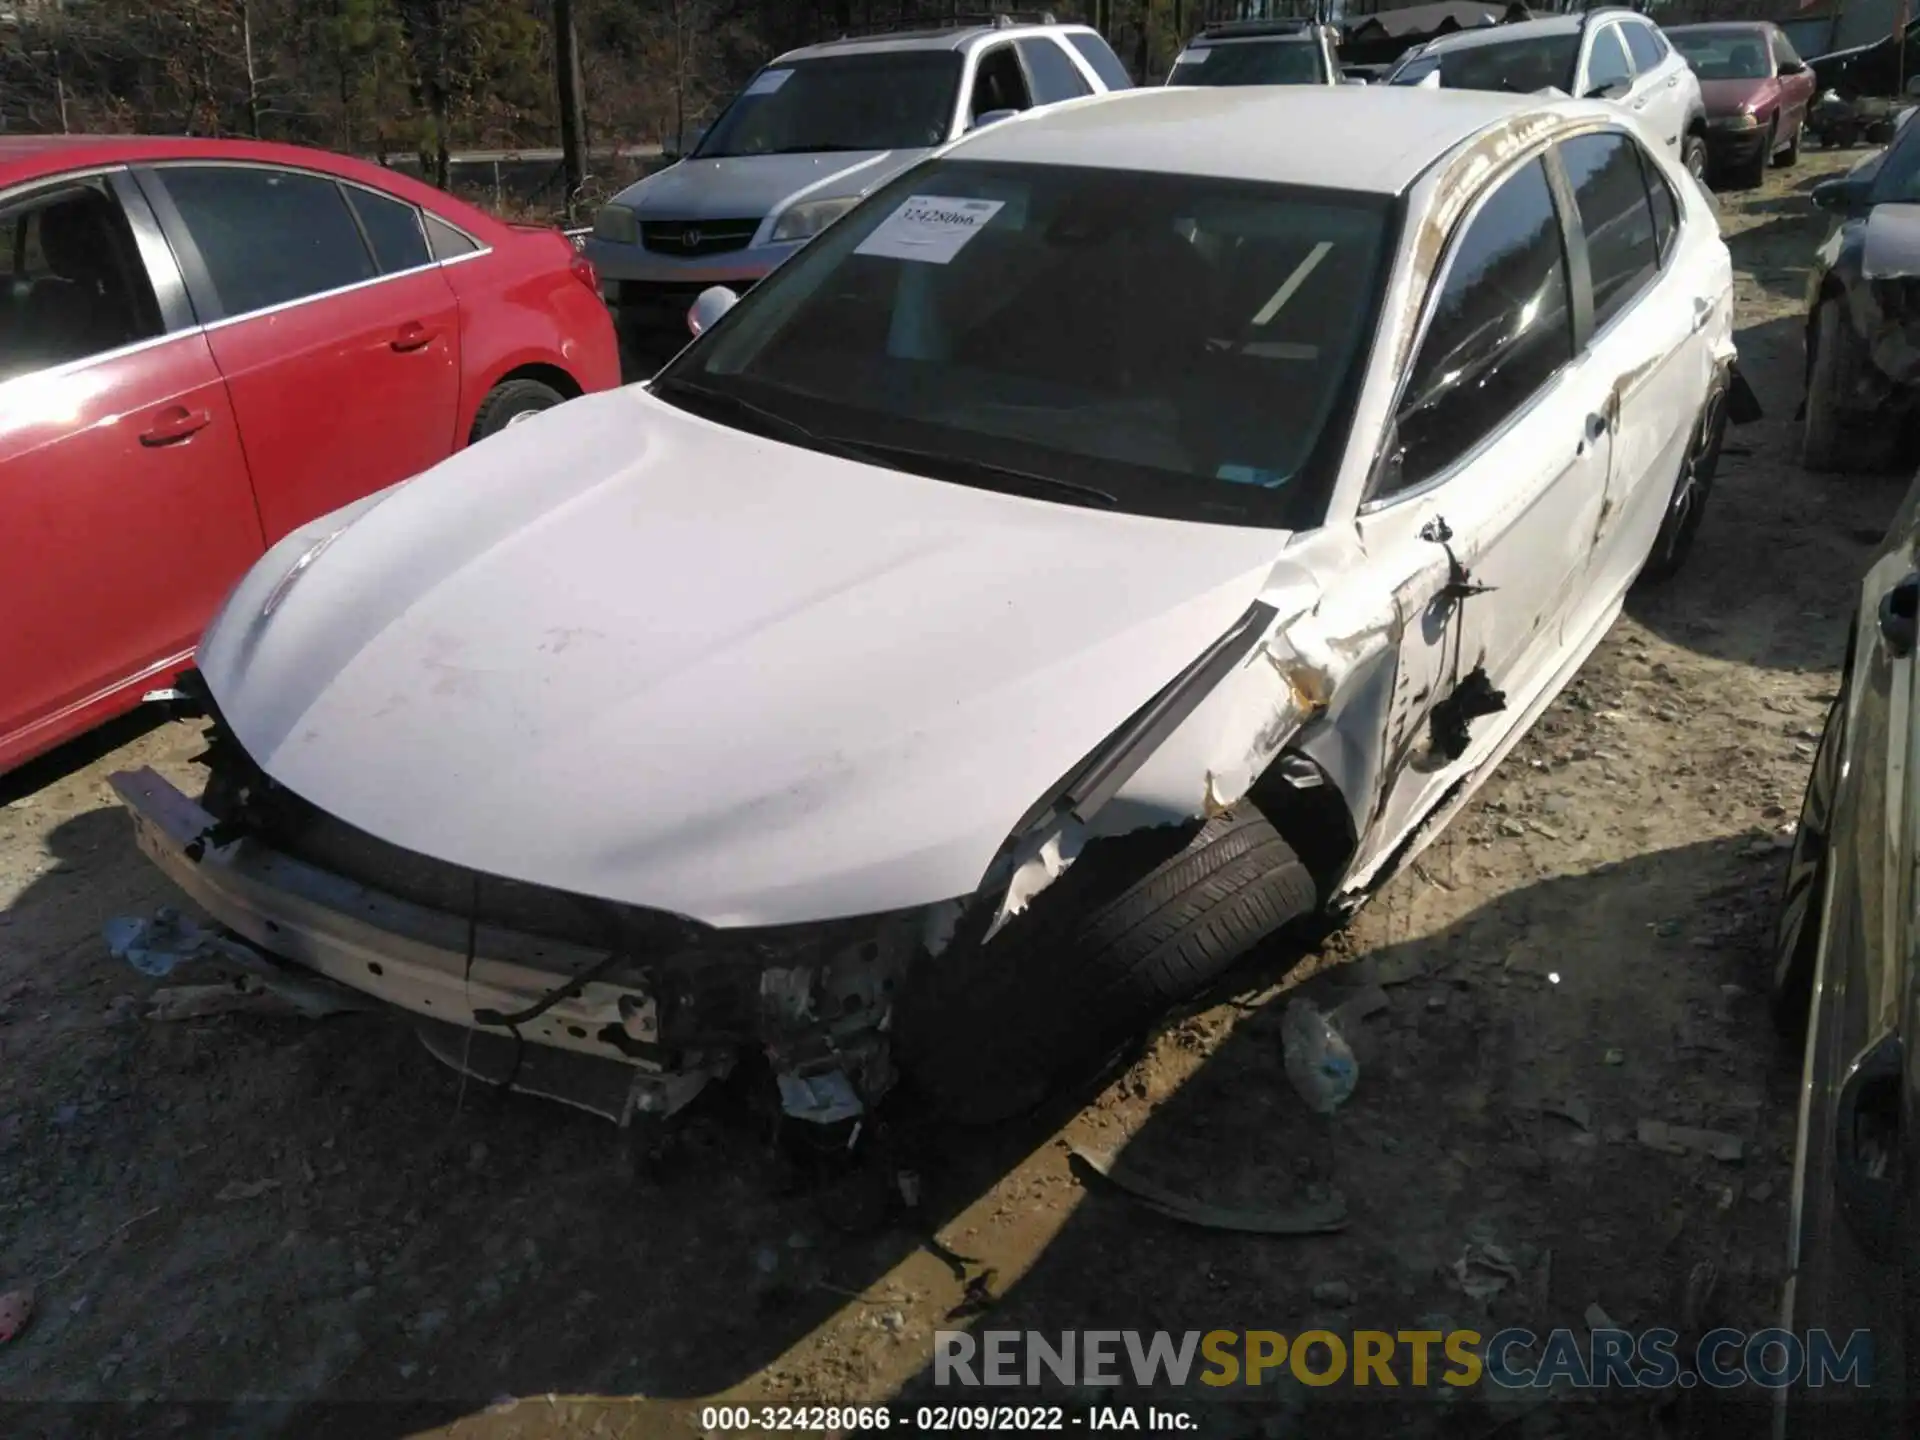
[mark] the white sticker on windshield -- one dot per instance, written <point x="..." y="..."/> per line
<point x="768" y="81"/>
<point x="1192" y="57"/>
<point x="929" y="228"/>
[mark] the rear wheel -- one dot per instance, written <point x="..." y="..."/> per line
<point x="1687" y="506"/>
<point x="510" y="402"/>
<point x="1693" y="155"/>
<point x="1134" y="925"/>
<point x="1832" y="438"/>
<point x="1796" y="940"/>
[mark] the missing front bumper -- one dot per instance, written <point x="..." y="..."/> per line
<point x="595" y="1042"/>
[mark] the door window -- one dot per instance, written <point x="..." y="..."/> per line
<point x="1501" y="328"/>
<point x="1645" y="46"/>
<point x="1607" y="61"/>
<point x="76" y="286"/>
<point x="1097" y="53"/>
<point x="268" y="236"/>
<point x="448" y="243"/>
<point x="1610" y="190"/>
<point x="1055" y="77"/>
<point x="1666" y="205"/>
<point x="392" y="228"/>
<point x="998" y="83"/>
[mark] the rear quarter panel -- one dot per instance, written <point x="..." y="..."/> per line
<point x="522" y="306"/>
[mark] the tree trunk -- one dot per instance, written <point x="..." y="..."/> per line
<point x="566" y="56"/>
<point x="253" y="75"/>
<point x="1143" y="55"/>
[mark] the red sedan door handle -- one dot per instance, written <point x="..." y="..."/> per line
<point x="415" y="336"/>
<point x="174" y="424"/>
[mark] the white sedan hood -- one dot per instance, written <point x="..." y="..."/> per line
<point x="623" y="651"/>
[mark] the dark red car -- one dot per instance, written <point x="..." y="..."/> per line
<point x="1757" y="92"/>
<point x="206" y="343"/>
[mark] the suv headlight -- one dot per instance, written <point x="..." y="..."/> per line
<point x="615" y="224"/>
<point x="809" y="218"/>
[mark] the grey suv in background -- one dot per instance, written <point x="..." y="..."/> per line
<point x="1259" y="52"/>
<point x="805" y="139"/>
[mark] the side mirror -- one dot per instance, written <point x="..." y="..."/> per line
<point x="1793" y="67"/>
<point x="1353" y="80"/>
<point x="993" y="117"/>
<point x="680" y="146"/>
<point x="1837" y="195"/>
<point x="708" y="306"/>
<point x="1913" y="86"/>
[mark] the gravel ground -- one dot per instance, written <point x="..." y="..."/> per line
<point x="257" y="1209"/>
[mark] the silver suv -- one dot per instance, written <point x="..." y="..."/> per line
<point x="812" y="133"/>
<point x="1259" y="52"/>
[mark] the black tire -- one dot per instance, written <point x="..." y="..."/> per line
<point x="1787" y="158"/>
<point x="1796" y="937"/>
<point x="1753" y="174"/>
<point x="1693" y="155"/>
<point x="509" y="401"/>
<point x="1832" y="439"/>
<point x="1134" y="925"/>
<point x="1687" y="506"/>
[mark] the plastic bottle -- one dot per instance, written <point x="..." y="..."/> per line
<point x="1320" y="1065"/>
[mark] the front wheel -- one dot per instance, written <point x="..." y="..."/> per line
<point x="1134" y="925"/>
<point x="1790" y="156"/>
<point x="1832" y="440"/>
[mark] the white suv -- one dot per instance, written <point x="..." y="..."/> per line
<point x="808" y="136"/>
<point x="1607" y="54"/>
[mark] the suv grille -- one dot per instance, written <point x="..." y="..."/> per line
<point x="696" y="237"/>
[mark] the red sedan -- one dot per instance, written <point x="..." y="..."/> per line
<point x="206" y="343"/>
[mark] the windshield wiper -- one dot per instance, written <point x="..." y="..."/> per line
<point x="773" y="420"/>
<point x="936" y="462"/>
<point x="891" y="457"/>
<point x="822" y="149"/>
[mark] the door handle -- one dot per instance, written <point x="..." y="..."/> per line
<point x="414" y="336"/>
<point x="175" y="424"/>
<point x="1866" y="1145"/>
<point x="1900" y="616"/>
<point x="1596" y="426"/>
<point x="1702" y="310"/>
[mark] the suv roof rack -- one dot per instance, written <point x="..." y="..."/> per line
<point x="959" y="20"/>
<point x="1241" y="29"/>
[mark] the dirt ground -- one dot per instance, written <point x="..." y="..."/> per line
<point x="229" y="1221"/>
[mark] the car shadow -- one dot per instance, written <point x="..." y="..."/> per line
<point x="337" y="1222"/>
<point x="77" y="754"/>
<point x="1775" y="567"/>
<point x="1466" y="1081"/>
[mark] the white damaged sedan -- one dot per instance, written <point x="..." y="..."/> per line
<point x="1134" y="529"/>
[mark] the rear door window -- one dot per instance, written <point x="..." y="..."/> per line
<point x="1644" y="45"/>
<point x="1623" y="244"/>
<point x="393" y="230"/>
<point x="1097" y="53"/>
<point x="268" y="236"/>
<point x="1054" y="76"/>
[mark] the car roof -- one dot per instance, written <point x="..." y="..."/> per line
<point x="1388" y="136"/>
<point x="1708" y="27"/>
<point x="1232" y="31"/>
<point x="955" y="37"/>
<point x="1526" y="29"/>
<point x="31" y="157"/>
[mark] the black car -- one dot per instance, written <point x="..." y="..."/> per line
<point x="1844" y="976"/>
<point x="1863" y="316"/>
